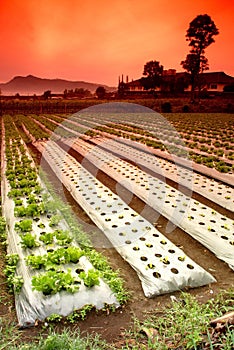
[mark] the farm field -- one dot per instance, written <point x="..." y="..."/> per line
<point x="153" y="194"/>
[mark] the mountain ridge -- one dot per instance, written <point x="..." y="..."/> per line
<point x="30" y="84"/>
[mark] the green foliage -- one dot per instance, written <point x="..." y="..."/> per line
<point x="36" y="261"/>
<point x="80" y="314"/>
<point x="29" y="241"/>
<point x="90" y="278"/>
<point x="14" y="282"/>
<point x="47" y="238"/>
<point x="67" y="340"/>
<point x="2" y="225"/>
<point x="53" y="259"/>
<point x="18" y="202"/>
<point x="24" y="225"/>
<point x="54" y="318"/>
<point x="63" y="237"/>
<point x="32" y="199"/>
<point x="14" y="193"/>
<point x="54" y="220"/>
<point x="52" y="282"/>
<point x="73" y="254"/>
<point x="191" y="326"/>
<point x="17" y="282"/>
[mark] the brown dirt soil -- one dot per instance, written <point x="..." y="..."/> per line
<point x="111" y="325"/>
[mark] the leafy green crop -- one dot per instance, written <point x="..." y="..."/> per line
<point x="47" y="238"/>
<point x="63" y="237"/>
<point x="14" y="282"/>
<point x="24" y="225"/>
<point x="73" y="254"/>
<point x="36" y="261"/>
<point x="29" y="241"/>
<point x="90" y="278"/>
<point x="52" y="282"/>
<point x="54" y="220"/>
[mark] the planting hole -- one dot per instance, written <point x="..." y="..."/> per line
<point x="224" y="237"/>
<point x="144" y="258"/>
<point x="151" y="266"/>
<point x="189" y="266"/>
<point x="136" y="248"/>
<point x="156" y="275"/>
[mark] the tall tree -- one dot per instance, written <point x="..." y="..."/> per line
<point x="200" y="35"/>
<point x="153" y="75"/>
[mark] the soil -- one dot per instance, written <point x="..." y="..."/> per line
<point x="111" y="325"/>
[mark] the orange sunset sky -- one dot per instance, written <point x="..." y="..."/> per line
<point x="97" y="41"/>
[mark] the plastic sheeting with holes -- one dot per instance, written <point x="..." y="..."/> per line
<point x="214" y="190"/>
<point x="161" y="266"/>
<point x="32" y="305"/>
<point x="209" y="227"/>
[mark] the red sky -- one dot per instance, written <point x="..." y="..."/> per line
<point x="98" y="40"/>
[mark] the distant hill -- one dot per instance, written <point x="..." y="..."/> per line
<point x="30" y="85"/>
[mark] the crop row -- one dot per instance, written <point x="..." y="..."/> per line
<point x="161" y="266"/>
<point x="216" y="191"/>
<point x="31" y="218"/>
<point x="212" y="229"/>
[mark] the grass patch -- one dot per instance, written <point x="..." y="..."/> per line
<point x="184" y="324"/>
<point x="67" y="340"/>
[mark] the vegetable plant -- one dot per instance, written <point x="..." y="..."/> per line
<point x="35" y="261"/>
<point x="54" y="220"/>
<point x="29" y="241"/>
<point x="24" y="225"/>
<point x="90" y="278"/>
<point x="17" y="282"/>
<point x="73" y="254"/>
<point x="63" y="237"/>
<point x="47" y="238"/>
<point x="52" y="282"/>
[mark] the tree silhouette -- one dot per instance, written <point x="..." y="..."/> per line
<point x="101" y="92"/>
<point x="153" y="75"/>
<point x="200" y="35"/>
<point x="47" y="94"/>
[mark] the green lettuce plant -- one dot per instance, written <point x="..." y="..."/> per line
<point x="29" y="241"/>
<point x="24" y="225"/>
<point x="90" y="278"/>
<point x="52" y="282"/>
<point x="63" y="237"/>
<point x="47" y="238"/>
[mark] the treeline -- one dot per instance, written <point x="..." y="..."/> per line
<point x="219" y="104"/>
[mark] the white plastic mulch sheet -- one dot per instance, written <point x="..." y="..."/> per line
<point x="212" y="189"/>
<point x="161" y="266"/>
<point x="209" y="227"/>
<point x="32" y="305"/>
